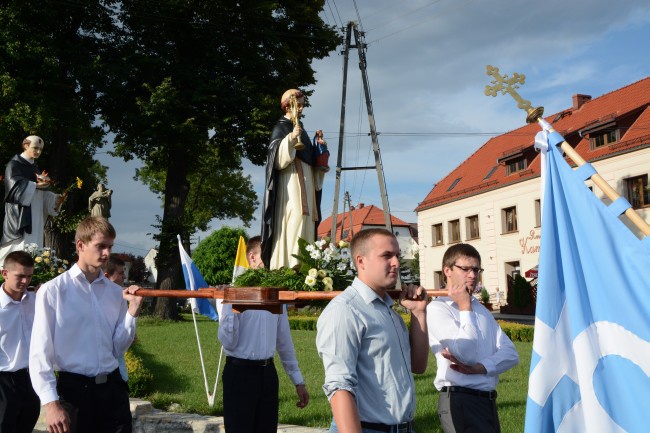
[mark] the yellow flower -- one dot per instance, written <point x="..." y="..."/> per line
<point x="46" y="253"/>
<point x="61" y="270"/>
<point x="79" y="183"/>
<point x="322" y="273"/>
<point x="65" y="262"/>
<point x="328" y="281"/>
<point x="343" y="244"/>
<point x="313" y="273"/>
<point x="310" y="281"/>
<point x="47" y="261"/>
<point x="38" y="259"/>
<point x="328" y="288"/>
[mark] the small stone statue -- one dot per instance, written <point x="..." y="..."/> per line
<point x="99" y="202"/>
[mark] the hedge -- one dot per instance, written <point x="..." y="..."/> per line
<point x="140" y="378"/>
<point x="515" y="331"/>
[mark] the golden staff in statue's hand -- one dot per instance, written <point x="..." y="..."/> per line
<point x="295" y="118"/>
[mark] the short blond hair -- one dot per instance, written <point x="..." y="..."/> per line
<point x="91" y="226"/>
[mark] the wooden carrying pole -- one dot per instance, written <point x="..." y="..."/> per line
<point x="283" y="295"/>
<point x="270" y="299"/>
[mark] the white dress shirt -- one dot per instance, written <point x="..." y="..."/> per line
<point x="472" y="337"/>
<point x="256" y="334"/>
<point x="16" y="319"/>
<point x="79" y="327"/>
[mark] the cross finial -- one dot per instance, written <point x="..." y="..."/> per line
<point x="505" y="84"/>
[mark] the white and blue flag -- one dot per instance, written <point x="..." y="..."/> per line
<point x="590" y="367"/>
<point x="193" y="281"/>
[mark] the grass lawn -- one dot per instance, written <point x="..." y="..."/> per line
<point x="170" y="351"/>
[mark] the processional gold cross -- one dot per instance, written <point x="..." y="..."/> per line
<point x="505" y="84"/>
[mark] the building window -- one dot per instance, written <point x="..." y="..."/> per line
<point x="509" y="219"/>
<point x="638" y="193"/>
<point x="491" y="172"/>
<point x="436" y="235"/>
<point x="454" y="231"/>
<point x="538" y="213"/>
<point x="453" y="185"/>
<point x="438" y="281"/>
<point x="515" y="165"/>
<point x="603" y="138"/>
<point x="471" y="224"/>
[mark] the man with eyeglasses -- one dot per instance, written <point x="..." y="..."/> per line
<point x="471" y="349"/>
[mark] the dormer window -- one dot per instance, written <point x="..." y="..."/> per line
<point x="603" y="138"/>
<point x="515" y="159"/>
<point x="602" y="133"/>
<point x="515" y="165"/>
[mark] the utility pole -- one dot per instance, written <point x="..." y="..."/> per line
<point x="360" y="45"/>
<point x="346" y="202"/>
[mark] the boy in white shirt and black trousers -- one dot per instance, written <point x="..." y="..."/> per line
<point x="19" y="404"/>
<point x="82" y="322"/>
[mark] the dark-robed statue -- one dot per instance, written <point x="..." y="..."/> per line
<point x="293" y="187"/>
<point x="28" y="201"/>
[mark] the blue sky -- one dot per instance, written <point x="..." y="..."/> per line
<point x="426" y="68"/>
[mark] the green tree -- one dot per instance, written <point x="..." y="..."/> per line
<point x="195" y="81"/>
<point x="48" y="72"/>
<point x="138" y="271"/>
<point x="215" y="255"/>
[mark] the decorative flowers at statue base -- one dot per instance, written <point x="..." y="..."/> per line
<point x="46" y="264"/>
<point x="323" y="267"/>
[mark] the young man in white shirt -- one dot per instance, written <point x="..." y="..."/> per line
<point x="82" y="323"/>
<point x="250" y="380"/>
<point x="471" y="349"/>
<point x="19" y="404"/>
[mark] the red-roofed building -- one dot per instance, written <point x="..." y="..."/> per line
<point x="492" y="199"/>
<point x="364" y="217"/>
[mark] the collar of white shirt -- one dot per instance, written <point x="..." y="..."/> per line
<point x="6" y="299"/>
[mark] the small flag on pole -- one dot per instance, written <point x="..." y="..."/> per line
<point x="590" y="367"/>
<point x="241" y="262"/>
<point x="193" y="281"/>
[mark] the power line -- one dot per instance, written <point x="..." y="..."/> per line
<point x="461" y="6"/>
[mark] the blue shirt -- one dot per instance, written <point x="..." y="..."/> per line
<point x="364" y="346"/>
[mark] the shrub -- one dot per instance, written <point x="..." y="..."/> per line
<point x="485" y="296"/>
<point x="215" y="255"/>
<point x="522" y="292"/>
<point x="140" y="378"/>
<point x="517" y="331"/>
<point x="303" y="323"/>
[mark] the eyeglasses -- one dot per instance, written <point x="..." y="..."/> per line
<point x="467" y="269"/>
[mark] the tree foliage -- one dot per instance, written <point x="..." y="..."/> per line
<point x="521" y="292"/>
<point x="215" y="255"/>
<point x="138" y="271"/>
<point x="192" y="86"/>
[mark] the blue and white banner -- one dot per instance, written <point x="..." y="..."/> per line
<point x="193" y="281"/>
<point x="590" y="367"/>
